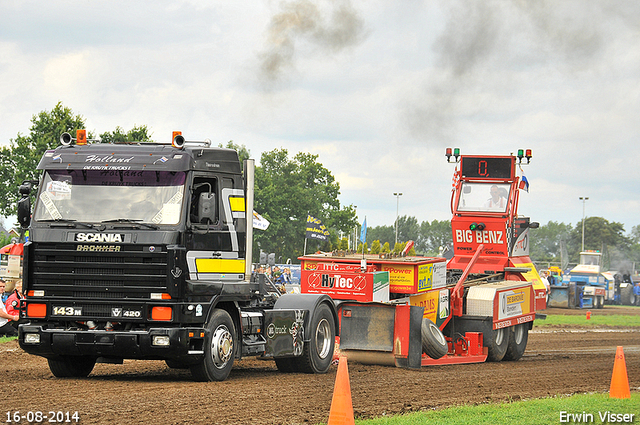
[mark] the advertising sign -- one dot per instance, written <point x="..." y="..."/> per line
<point x="493" y="237"/>
<point x="514" y="302"/>
<point x="346" y="285"/>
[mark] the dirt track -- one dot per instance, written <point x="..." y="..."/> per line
<point x="557" y="361"/>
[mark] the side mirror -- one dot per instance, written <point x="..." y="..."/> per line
<point x="207" y="208"/>
<point x="24" y="212"/>
<point x="534" y="225"/>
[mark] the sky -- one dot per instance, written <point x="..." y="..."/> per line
<point x="377" y="89"/>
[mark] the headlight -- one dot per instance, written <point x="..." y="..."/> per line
<point x="162" y="340"/>
<point x="32" y="338"/>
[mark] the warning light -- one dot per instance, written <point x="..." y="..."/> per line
<point x="476" y="226"/>
<point x="528" y="155"/>
<point x="455" y="154"/>
<point x="81" y="137"/>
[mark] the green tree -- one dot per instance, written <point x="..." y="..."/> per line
<point x="548" y="241"/>
<point x="376" y="247"/>
<point x="408" y="228"/>
<point x="136" y="134"/>
<point x="602" y="235"/>
<point x="19" y="161"/>
<point x="385" y="248"/>
<point x="382" y="233"/>
<point x="286" y="190"/>
<point x="433" y="236"/>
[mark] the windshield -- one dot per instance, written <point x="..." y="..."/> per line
<point x="484" y="197"/>
<point x="98" y="195"/>
<point x="589" y="259"/>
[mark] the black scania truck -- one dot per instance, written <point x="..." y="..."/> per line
<point x="143" y="251"/>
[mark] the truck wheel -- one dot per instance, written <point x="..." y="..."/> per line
<point x="434" y="344"/>
<point x="318" y="353"/>
<point x="71" y="366"/>
<point x="518" y="338"/>
<point x="497" y="344"/>
<point x="219" y="350"/>
<point x="627" y="297"/>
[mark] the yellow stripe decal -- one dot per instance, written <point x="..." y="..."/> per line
<point x="215" y="265"/>
<point x="236" y="203"/>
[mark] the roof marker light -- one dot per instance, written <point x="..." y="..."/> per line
<point x="448" y="154"/>
<point x="81" y="137"/>
<point x="177" y="141"/>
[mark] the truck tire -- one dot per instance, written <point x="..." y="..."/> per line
<point x="72" y="366"/>
<point x="497" y="344"/>
<point x="627" y="297"/>
<point x="518" y="337"/>
<point x="219" y="349"/>
<point x="318" y="353"/>
<point x="434" y="343"/>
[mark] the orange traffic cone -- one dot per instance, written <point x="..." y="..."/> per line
<point x="619" y="380"/>
<point x="341" y="408"/>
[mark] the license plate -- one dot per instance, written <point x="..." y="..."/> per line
<point x="66" y="311"/>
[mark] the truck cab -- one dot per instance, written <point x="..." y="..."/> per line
<point x="143" y="251"/>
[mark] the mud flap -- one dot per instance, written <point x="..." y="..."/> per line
<point x="381" y="333"/>
<point x="284" y="331"/>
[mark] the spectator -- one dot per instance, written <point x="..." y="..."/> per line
<point x="5" y="327"/>
<point x="545" y="282"/>
<point x="13" y="302"/>
<point x="286" y="276"/>
<point x="3" y="295"/>
<point x="277" y="275"/>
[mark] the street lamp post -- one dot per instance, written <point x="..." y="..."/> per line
<point x="397" y="195"/>
<point x="584" y="200"/>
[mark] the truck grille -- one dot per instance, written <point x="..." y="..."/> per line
<point x="62" y="272"/>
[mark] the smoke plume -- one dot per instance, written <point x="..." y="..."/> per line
<point x="329" y="27"/>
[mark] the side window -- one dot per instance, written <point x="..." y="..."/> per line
<point x="204" y="201"/>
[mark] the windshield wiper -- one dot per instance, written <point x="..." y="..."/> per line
<point x="131" y="221"/>
<point x="68" y="222"/>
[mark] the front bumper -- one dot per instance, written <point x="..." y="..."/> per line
<point x="184" y="344"/>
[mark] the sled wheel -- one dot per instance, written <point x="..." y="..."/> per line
<point x="518" y="337"/>
<point x="219" y="349"/>
<point x="434" y="344"/>
<point x="497" y="344"/>
<point x="318" y="352"/>
<point x="71" y="366"/>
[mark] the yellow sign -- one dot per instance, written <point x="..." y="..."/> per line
<point x="428" y="300"/>
<point x="209" y="265"/>
<point x="514" y="302"/>
<point x="401" y="277"/>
